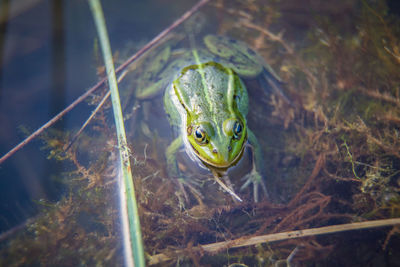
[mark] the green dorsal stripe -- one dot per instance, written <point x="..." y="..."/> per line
<point x="203" y="79"/>
<point x="231" y="91"/>
<point x="212" y="108"/>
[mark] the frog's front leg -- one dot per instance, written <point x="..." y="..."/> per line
<point x="170" y="155"/>
<point x="174" y="172"/>
<point x="255" y="176"/>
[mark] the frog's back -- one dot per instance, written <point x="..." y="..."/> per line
<point x="205" y="91"/>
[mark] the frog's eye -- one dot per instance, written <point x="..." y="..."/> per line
<point x="200" y="136"/>
<point x="237" y="130"/>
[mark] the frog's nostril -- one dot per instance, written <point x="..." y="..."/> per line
<point x="229" y="148"/>
<point x="215" y="151"/>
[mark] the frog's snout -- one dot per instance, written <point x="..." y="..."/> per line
<point x="222" y="155"/>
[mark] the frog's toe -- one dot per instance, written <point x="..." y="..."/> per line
<point x="191" y="184"/>
<point x="257" y="180"/>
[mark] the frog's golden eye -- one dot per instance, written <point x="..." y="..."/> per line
<point x="200" y="136"/>
<point x="237" y="130"/>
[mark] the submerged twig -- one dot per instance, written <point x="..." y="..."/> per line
<point x="144" y="49"/>
<point x="52" y="121"/>
<point x="243" y="241"/>
<point x="270" y="35"/>
<point x="103" y="100"/>
<point x="227" y="189"/>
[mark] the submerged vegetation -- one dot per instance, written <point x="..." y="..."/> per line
<point x="332" y="156"/>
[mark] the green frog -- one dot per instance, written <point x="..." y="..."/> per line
<point x="207" y="103"/>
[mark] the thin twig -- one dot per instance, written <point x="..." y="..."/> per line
<point x="101" y="82"/>
<point x="244" y="241"/>
<point x="99" y="105"/>
<point x="270" y="35"/>
<point x="103" y="100"/>
<point x="226" y="188"/>
<point x="52" y="121"/>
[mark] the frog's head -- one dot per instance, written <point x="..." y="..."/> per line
<point x="218" y="146"/>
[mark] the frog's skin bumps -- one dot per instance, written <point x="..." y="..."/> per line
<point x="209" y="102"/>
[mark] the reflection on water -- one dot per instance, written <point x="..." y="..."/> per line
<point x="331" y="157"/>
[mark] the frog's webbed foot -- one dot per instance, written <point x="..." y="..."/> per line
<point x="256" y="179"/>
<point x="182" y="194"/>
<point x="272" y="81"/>
<point x="173" y="172"/>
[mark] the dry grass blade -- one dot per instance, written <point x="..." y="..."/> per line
<point x="244" y="241"/>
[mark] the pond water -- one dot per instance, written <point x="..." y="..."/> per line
<point x="330" y="153"/>
<point x="44" y="47"/>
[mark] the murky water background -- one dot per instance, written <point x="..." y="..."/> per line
<point x="331" y="157"/>
<point x="49" y="57"/>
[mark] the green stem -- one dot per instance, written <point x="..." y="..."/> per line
<point x="130" y="216"/>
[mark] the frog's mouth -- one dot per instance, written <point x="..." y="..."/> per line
<point x="221" y="167"/>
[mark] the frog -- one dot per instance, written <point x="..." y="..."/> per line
<point x="206" y="102"/>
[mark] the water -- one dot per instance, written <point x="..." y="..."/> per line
<point x="331" y="156"/>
